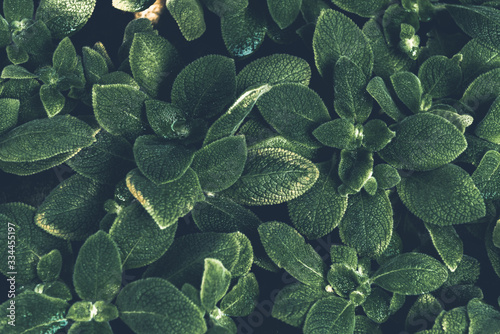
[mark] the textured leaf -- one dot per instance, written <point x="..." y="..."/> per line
<point x="287" y="248"/>
<point x="487" y="176"/>
<point x="53" y="100"/>
<point x="377" y="305"/>
<point x="72" y="210"/>
<point x="16" y="72"/>
<point x="425" y="307"/>
<point x="339" y="133"/>
<point x="454" y="321"/>
<point x="29" y="168"/>
<point x="152" y="59"/>
<point x="444" y="196"/>
<point x="105" y="311"/>
<point x="45" y="138"/>
<point x="139" y="239"/>
<point x="225" y="7"/>
<point x="330" y="315"/>
<point x="320" y="209"/>
<point x="344" y="255"/>
<point x="376" y="135"/>
<point x="410" y="274"/>
<point x="424" y="142"/>
<point x="80" y="311"/>
<point x="378" y="90"/>
<point x="361" y="7"/>
<point x="294" y="111"/>
<point x="155" y="306"/>
<point x="478" y="58"/>
<point x="440" y="76"/>
<point x="241" y="300"/>
<point x="205" y="87"/>
<point x="214" y="284"/>
<point x="483" y="90"/>
<point x="163" y="117"/>
<point x="343" y="279"/>
<point x="367" y="223"/>
<point x="484" y="319"/>
<point x="284" y="12"/>
<point x="355" y="168"/>
<point x="132" y="5"/>
<point x="98" y="270"/>
<point x="220" y="164"/>
<point x="409" y="89"/>
<point x="273" y="70"/>
<point x="90" y="327"/>
<point x="49" y="266"/>
<point x="169" y="201"/>
<point x="64" y="59"/>
<point x="450" y="114"/>
<point x="133" y="27"/>
<point x="447" y="243"/>
<point x="386" y="176"/>
<point x="65" y="17"/>
<point x="94" y="65"/>
<point x="189" y="17"/>
<point x="273" y="176"/>
<point x="17" y="10"/>
<point x="489" y="127"/>
<point x="335" y="36"/>
<point x="365" y="326"/>
<point x="10" y="114"/>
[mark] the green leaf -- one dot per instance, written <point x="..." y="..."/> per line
<point x="63" y="18"/>
<point x="287" y="248"/>
<point x="29" y="168"/>
<point x="221" y="324"/>
<point x="330" y="315"/>
<point x="5" y="33"/>
<point x="16" y="72"/>
<point x="152" y="59"/>
<point x="496" y="235"/>
<point x="394" y="248"/>
<point x="478" y="58"/>
<point x="335" y="36"/>
<point x="484" y="318"/>
<point x="320" y="209"/>
<point x="90" y="327"/>
<point x="155" y="306"/>
<point x="34" y="39"/>
<point x="118" y="109"/>
<point x="163" y="117"/>
<point x="467" y="272"/>
<point x="132" y="5"/>
<point x="105" y="311"/>
<point x="118" y="77"/>
<point x="410" y="274"/>
<point x="94" y="65"/>
<point x="487" y="176"/>
<point x="161" y="161"/>
<point x="214" y="284"/>
<point x="377" y="305"/>
<point x="451" y="115"/>
<point x="53" y="101"/>
<point x="228" y="123"/>
<point x="376" y="135"/>
<point x="66" y="214"/>
<point x="49" y="266"/>
<point x="365" y="326"/>
<point x="367" y="223"/>
<point x="273" y="176"/>
<point x="243" y="31"/>
<point x="361" y="7"/>
<point x="139" y="239"/>
<point x="447" y="243"/>
<point x="45" y="138"/>
<point x="10" y="114"/>
<point x="205" y="87"/>
<point x="392" y="21"/>
<point x="339" y="133"/>
<point x="440" y="76"/>
<point x="245" y="255"/>
<point x="489" y="127"/>
<point x="241" y="300"/>
<point x="64" y="59"/>
<point x="351" y="100"/>
<point x="344" y="255"/>
<point x="343" y="279"/>
<point x="424" y="142"/>
<point x="453" y="321"/>
<point x="98" y="269"/>
<point x="220" y="164"/>
<point x="225" y="7"/>
<point x="273" y="70"/>
<point x="189" y="17"/>
<point x="17" y="10"/>
<point x="424" y="308"/>
<point x="166" y="202"/>
<point x="192" y="293"/>
<point x="133" y="27"/>
<point x="284" y="12"/>
<point x="80" y="311"/>
<point x="492" y="251"/>
<point x="483" y="90"/>
<point x="378" y="90"/>
<point x="409" y="89"/>
<point x="355" y="168"/>
<point x="444" y="196"/>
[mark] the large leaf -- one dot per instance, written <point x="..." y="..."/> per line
<point x="189" y="17"/>
<point x="284" y="12"/>
<point x="447" y="243"/>
<point x="17" y="10"/>
<point x="240" y="301"/>
<point x="273" y="176"/>
<point x="484" y="319"/>
<point x="94" y="65"/>
<point x="409" y="89"/>
<point x="489" y="127"/>
<point x="487" y="175"/>
<point x="98" y="269"/>
<point x="65" y="17"/>
<point x="29" y="168"/>
<point x="330" y="315"/>
<point x="225" y="7"/>
<point x="444" y="196"/>
<point x="410" y="274"/>
<point x="478" y="58"/>
<point x="440" y="76"/>
<point x="10" y="114"/>
<point x="287" y="248"/>
<point x="214" y="284"/>
<point x="155" y="306"/>
<point x="483" y="90"/>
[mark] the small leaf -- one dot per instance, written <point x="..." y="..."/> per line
<point x="132" y="5"/>
<point x="453" y="321"/>
<point x="16" y="72"/>
<point x="478" y="58"/>
<point x="273" y="176"/>
<point x="361" y="7"/>
<point x="339" y="133"/>
<point x="284" y="12"/>
<point x="330" y="315"/>
<point x="189" y="17"/>
<point x="214" y="284"/>
<point x="483" y="90"/>
<point x="409" y="89"/>
<point x="487" y="176"/>
<point x="483" y="318"/>
<point x="440" y="76"/>
<point x="241" y="300"/>
<point x="90" y="327"/>
<point x="410" y="274"/>
<point x="424" y="308"/>
<point x="386" y="176"/>
<point x="451" y="115"/>
<point x="49" y="266"/>
<point x="365" y="326"/>
<point x="167" y="202"/>
<point x="344" y="255"/>
<point x="105" y="311"/>
<point x="162" y="118"/>
<point x="447" y="243"/>
<point x="94" y="65"/>
<point x="489" y="127"/>
<point x="245" y="255"/>
<point x="80" y="311"/>
<point x="444" y="196"/>
<point x="17" y="10"/>
<point x="376" y="135"/>
<point x="64" y="59"/>
<point x="155" y="306"/>
<point x="377" y="305"/>
<point x="287" y="248"/>
<point x="343" y="279"/>
<point x="53" y="101"/>
<point x="98" y="270"/>
<point x="10" y="114"/>
<point x="355" y="168"/>
<point x="378" y="90"/>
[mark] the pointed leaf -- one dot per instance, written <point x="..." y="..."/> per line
<point x="162" y="118"/>
<point x="49" y="266"/>
<point x="378" y="90"/>
<point x="10" y="114"/>
<point x="484" y="318"/>
<point x="330" y="315"/>
<point x="29" y="168"/>
<point x="376" y="135"/>
<point x="339" y="133"/>
<point x="489" y="127"/>
<point x="16" y="72"/>
<point x="478" y="58"/>
<point x="440" y="76"/>
<point x="425" y="307"/>
<point x="189" y="17"/>
<point x="377" y="305"/>
<point x="94" y="65"/>
<point x="487" y="175"/>
<point x="64" y="59"/>
<point x="447" y="243"/>
<point x="17" y="10"/>
<point x="241" y="300"/>
<point x="483" y="90"/>
<point x="409" y="89"/>
<point x="53" y="101"/>
<point x="284" y="12"/>
<point x="355" y="168"/>
<point x="453" y="321"/>
<point x="214" y="284"/>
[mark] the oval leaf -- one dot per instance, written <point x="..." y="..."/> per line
<point x="330" y="315"/>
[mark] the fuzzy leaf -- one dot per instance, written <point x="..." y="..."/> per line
<point x="225" y="7"/>
<point x="489" y="127"/>
<point x="273" y="176"/>
<point x="484" y="319"/>
<point x="453" y="321"/>
<point x="343" y="279"/>
<point x="155" y="306"/>
<point x="65" y="17"/>
<point x="386" y="176"/>
<point x="166" y="202"/>
<point x="355" y="168"/>
<point x="487" y="176"/>
<point x="284" y="12"/>
<point x="132" y="5"/>
<point x="424" y="142"/>
<point x="339" y="133"/>
<point x="378" y="90"/>
<point x="483" y="90"/>
<point x="214" y="284"/>
<point x="53" y="101"/>
<point x="376" y="135"/>
<point x="377" y="305"/>
<point x="287" y="248"/>
<point x="17" y="10"/>
<point x="241" y="300"/>
<point x="205" y="87"/>
<point x="94" y="65"/>
<point x="49" y="266"/>
<point x="425" y="306"/>
<point x="478" y="58"/>
<point x="163" y="117"/>
<point x="189" y="17"/>
<point x="330" y="315"/>
<point x="409" y="89"/>
<point x="447" y="243"/>
<point x="362" y="8"/>
<point x="10" y="114"/>
<point x="29" y="168"/>
<point x="16" y="72"/>
<point x="444" y="196"/>
<point x="64" y="59"/>
<point x="410" y="274"/>
<point x="365" y="326"/>
<point x="440" y="76"/>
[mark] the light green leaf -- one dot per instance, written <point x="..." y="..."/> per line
<point x="80" y="311"/>
<point x="409" y="89"/>
<point x="371" y="186"/>
<point x="351" y="99"/>
<point x="132" y="5"/>
<point x="241" y="300"/>
<point x="166" y="202"/>
<point x="94" y="65"/>
<point x="361" y="7"/>
<point x="66" y="214"/>
<point x="49" y="266"/>
<point x="424" y="142"/>
<point x="161" y="161"/>
<point x="447" y="243"/>
<point x="440" y="76"/>
<point x="320" y="209"/>
<point x="139" y="239"/>
<point x="90" y="327"/>
<point x="410" y="274"/>
<point x="155" y="306"/>
<point x="483" y="90"/>
<point x="376" y="305"/>
<point x="294" y="111"/>
<point x="65" y="17"/>
<point x="220" y="164"/>
<point x="287" y="248"/>
<point x="17" y="10"/>
<point x="335" y="36"/>
<point x="10" y="114"/>
<point x="245" y="255"/>
<point x="378" y="90"/>
<point x="487" y="175"/>
<point x="339" y="133"/>
<point x="451" y="115"/>
<point x="189" y="17"/>
<point x="355" y="168"/>
<point x="376" y="135"/>
<point x="444" y="196"/>
<point x="45" y="138"/>
<point x="284" y="12"/>
<point x="425" y="307"/>
<point x="484" y="319"/>
<point x="489" y="127"/>
<point x="214" y="284"/>
<point x="478" y="58"/>
<point x="53" y="101"/>
<point x="205" y="87"/>
<point x="105" y="311"/>
<point x="152" y="59"/>
<point x="273" y="70"/>
<point x="330" y="315"/>
<point x="16" y="72"/>
<point x="273" y="176"/>
<point x="367" y="223"/>
<point x="343" y="279"/>
<point x="453" y="321"/>
<point x="98" y="270"/>
<point x="64" y="59"/>
<point x="344" y="255"/>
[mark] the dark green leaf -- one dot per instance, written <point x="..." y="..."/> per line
<point x="284" y="12"/>
<point x="16" y="72"/>
<point x="163" y="117"/>
<point x="487" y="175"/>
<point x="17" y="10"/>
<point x="484" y="319"/>
<point x="80" y="311"/>
<point x="376" y="135"/>
<point x="29" y="168"/>
<point x="447" y="243"/>
<point x="330" y="315"/>
<point x="105" y="311"/>
<point x="344" y="255"/>
<point x="64" y="59"/>
<point x="189" y="17"/>
<point x="478" y="58"/>
<point x="94" y="65"/>
<point x="355" y="168"/>
<point x="214" y="284"/>
<point x="132" y="5"/>
<point x="361" y="7"/>
<point x="225" y="7"/>
<point x="339" y="133"/>
<point x="245" y="255"/>
<point x="241" y="300"/>
<point x="49" y="266"/>
<point x="425" y="307"/>
<point x="90" y="327"/>
<point x="440" y="76"/>
<point x="53" y="101"/>
<point x="343" y="279"/>
<point x="386" y="176"/>
<point x="409" y="89"/>
<point x="453" y="321"/>
<point x="133" y="27"/>
<point x="365" y="326"/>
<point x="10" y="114"/>
<point x="376" y="305"/>
<point x="483" y="90"/>
<point x="378" y="90"/>
<point x="489" y="127"/>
